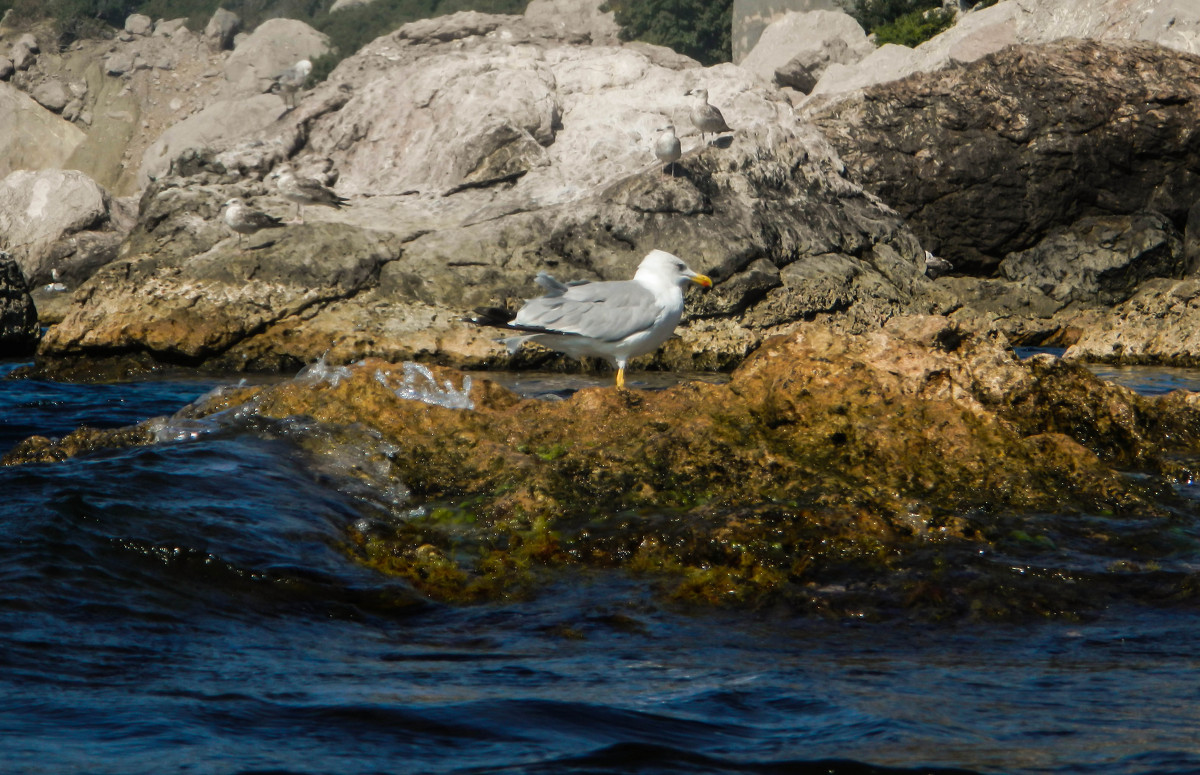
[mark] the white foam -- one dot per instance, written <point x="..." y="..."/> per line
<point x="418" y="384"/>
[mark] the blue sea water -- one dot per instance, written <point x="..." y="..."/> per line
<point x="187" y="607"/>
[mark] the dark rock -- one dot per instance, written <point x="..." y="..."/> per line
<point x="988" y="158"/>
<point x="18" y="318"/>
<point x="1101" y="259"/>
<point x="797" y="75"/>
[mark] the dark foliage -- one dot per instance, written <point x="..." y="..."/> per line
<point x="700" y="29"/>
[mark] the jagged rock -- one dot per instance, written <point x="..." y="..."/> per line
<point x="1160" y="324"/>
<point x="22" y="56"/>
<point x="987" y="159"/>
<point x="139" y="24"/>
<point x="18" y="318"/>
<point x="6" y="68"/>
<point x="579" y="17"/>
<point x="27" y="40"/>
<point x="917" y="454"/>
<point x="221" y="122"/>
<point x="1171" y="23"/>
<point x="490" y="152"/>
<point x="169" y="27"/>
<point x="751" y="17"/>
<point x="42" y="215"/>
<point x="340" y="5"/>
<point x="120" y="62"/>
<point x="1100" y="259"/>
<point x="52" y="95"/>
<point x="221" y="28"/>
<point x="809" y="41"/>
<point x="271" y="48"/>
<point x="32" y="137"/>
<point x="794" y="74"/>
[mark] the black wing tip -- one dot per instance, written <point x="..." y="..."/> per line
<point x="491" y="316"/>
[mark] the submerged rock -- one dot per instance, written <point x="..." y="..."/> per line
<point x="18" y="318"/>
<point x="909" y="468"/>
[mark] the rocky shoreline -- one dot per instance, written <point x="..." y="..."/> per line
<point x="878" y="448"/>
<point x="920" y="470"/>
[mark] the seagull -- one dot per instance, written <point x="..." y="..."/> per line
<point x="306" y="191"/>
<point x="667" y="148"/>
<point x="707" y="118"/>
<point x="245" y="220"/>
<point x="615" y="320"/>
<point x="291" y="80"/>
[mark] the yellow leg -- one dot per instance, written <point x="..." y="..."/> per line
<point x="620" y="378"/>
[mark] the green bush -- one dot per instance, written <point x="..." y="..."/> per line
<point x="914" y="28"/>
<point x="700" y="29"/>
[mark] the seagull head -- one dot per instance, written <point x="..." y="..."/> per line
<point x="699" y="94"/>
<point x="660" y="267"/>
<point x="668" y="128"/>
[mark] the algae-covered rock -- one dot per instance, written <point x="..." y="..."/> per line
<point x="912" y="467"/>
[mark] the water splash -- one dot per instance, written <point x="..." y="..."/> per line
<point x="419" y="384"/>
<point x="321" y="372"/>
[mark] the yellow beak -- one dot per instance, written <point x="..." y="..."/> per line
<point x="702" y="279"/>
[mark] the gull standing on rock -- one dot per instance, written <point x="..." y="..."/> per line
<point x="291" y="81"/>
<point x="615" y="320"/>
<point x="306" y="191"/>
<point x="707" y="118"/>
<point x="245" y="220"/>
<point x="667" y="148"/>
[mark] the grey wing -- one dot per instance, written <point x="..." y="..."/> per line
<point x="317" y="192"/>
<point x="607" y="311"/>
<point x="259" y="220"/>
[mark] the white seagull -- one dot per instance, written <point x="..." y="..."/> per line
<point x="707" y="118"/>
<point x="615" y="320"/>
<point x="291" y="81"/>
<point x="245" y="220"/>
<point x="667" y="148"/>
<point x="306" y="191"/>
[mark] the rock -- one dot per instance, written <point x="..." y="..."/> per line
<point x="794" y="74"/>
<point x="169" y="28"/>
<point x="579" y="17"/>
<point x="1159" y="324"/>
<point x="221" y="28"/>
<point x="120" y="62"/>
<point x="1171" y="23"/>
<point x="341" y="5"/>
<point x="490" y="152"/>
<point x="6" y="68"/>
<point x="139" y="24"/>
<point x="32" y="137"/>
<point x="808" y="40"/>
<point x="19" y="328"/>
<point x="917" y="452"/>
<point x="752" y="17"/>
<point x="220" y="122"/>
<point x="52" y="95"/>
<point x="1100" y="259"/>
<point x="27" y="40"/>
<point x="40" y="209"/>
<point x="989" y="158"/>
<point x="22" y="56"/>
<point x="274" y="46"/>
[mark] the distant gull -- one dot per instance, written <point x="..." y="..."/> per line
<point x="667" y="148"/>
<point x="707" y="118"/>
<point x="306" y="191"/>
<point x="246" y="220"/>
<point x="292" y="80"/>
<point x="615" y="320"/>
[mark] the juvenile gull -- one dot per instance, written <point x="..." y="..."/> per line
<point x="291" y="81"/>
<point x="667" y="148"/>
<point x="612" y="320"/>
<point x="707" y="118"/>
<point x="306" y="191"/>
<point x="246" y="220"/>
